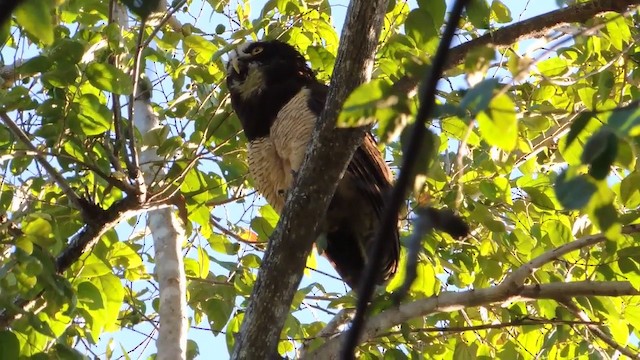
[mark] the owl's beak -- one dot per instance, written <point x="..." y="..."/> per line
<point x="235" y="64"/>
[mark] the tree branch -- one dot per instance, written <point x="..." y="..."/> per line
<point x="57" y="177"/>
<point x="450" y="301"/>
<point x="78" y="245"/>
<point x="534" y="27"/>
<point x="325" y="162"/>
<point x="510" y="289"/>
<point x="517" y="278"/>
<point x="595" y="329"/>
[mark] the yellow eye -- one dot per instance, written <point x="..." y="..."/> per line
<point x="256" y="50"/>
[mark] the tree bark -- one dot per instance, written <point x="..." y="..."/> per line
<point x="325" y="162"/>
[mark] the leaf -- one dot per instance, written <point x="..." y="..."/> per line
<point x="93" y="117"/>
<point x="552" y="67"/>
<point x="202" y="48"/>
<point x="420" y="27"/>
<point x="600" y="152"/>
<point x="574" y="193"/>
<point x="626" y="120"/>
<point x="630" y="190"/>
<point x="477" y="98"/>
<point x="113" y="292"/>
<point x="35" y="17"/>
<point x="361" y="105"/>
<point x="478" y="13"/>
<point x="9" y="345"/>
<point x="424" y="156"/>
<point x="577" y="126"/>
<point x="501" y="12"/>
<point x="498" y="124"/>
<point x="39" y="231"/>
<point x="218" y="312"/>
<point x="109" y="78"/>
<point x="436" y="8"/>
<point x="35" y="65"/>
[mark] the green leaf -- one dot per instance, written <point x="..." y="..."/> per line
<point x="630" y="191"/>
<point x="202" y="48"/>
<point x="361" y="105"/>
<point x="498" y="124"/>
<point x="89" y="295"/>
<point x="93" y="117"/>
<point x="574" y="193"/>
<point x="600" y="152"/>
<point x="66" y="52"/>
<point x="9" y="345"/>
<point x="35" y="17"/>
<point x="552" y="67"/>
<point x="218" y="312"/>
<point x="577" y="126"/>
<point x="39" y="231"/>
<point x="478" y="12"/>
<point x="477" y="98"/>
<point x="501" y="12"/>
<point x="420" y="27"/>
<point x="109" y="78"/>
<point x="35" y="65"/>
<point x="626" y="120"/>
<point x="436" y="8"/>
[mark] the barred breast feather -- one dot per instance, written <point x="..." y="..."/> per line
<point x="274" y="159"/>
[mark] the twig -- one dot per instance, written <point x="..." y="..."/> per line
<point x="595" y="329"/>
<point x="392" y="208"/>
<point x="57" y="177"/>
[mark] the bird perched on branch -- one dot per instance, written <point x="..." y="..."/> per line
<point x="278" y="101"/>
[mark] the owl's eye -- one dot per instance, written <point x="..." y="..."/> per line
<point x="256" y="50"/>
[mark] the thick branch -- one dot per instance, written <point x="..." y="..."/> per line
<point x="511" y="289"/>
<point x="78" y="245"/>
<point x="534" y="27"/>
<point x="517" y="278"/>
<point x="450" y="301"/>
<point x="325" y="162"/>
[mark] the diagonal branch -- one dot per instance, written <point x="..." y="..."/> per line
<point x="535" y="27"/>
<point x="325" y="162"/>
<point x="511" y="289"/>
<point x="57" y="177"/>
<point x="597" y="331"/>
<point x="410" y="158"/>
<point x="450" y="301"/>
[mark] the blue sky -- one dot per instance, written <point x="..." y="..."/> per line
<point x="209" y="344"/>
<point x="215" y="346"/>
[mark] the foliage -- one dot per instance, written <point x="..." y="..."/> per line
<point x="537" y="147"/>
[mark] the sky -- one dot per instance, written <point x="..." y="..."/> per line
<point x="215" y="346"/>
<point x="209" y="344"/>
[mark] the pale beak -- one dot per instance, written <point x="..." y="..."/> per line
<point x="235" y="64"/>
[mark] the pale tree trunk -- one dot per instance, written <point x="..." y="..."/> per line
<point x="168" y="235"/>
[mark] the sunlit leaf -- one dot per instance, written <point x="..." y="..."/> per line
<point x="109" y="78"/>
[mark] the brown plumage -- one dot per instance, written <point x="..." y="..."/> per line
<point x="278" y="100"/>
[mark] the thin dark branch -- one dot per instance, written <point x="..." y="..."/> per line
<point x="134" y="169"/>
<point x="57" y="177"/>
<point x="325" y="161"/>
<point x="392" y="208"/>
<point x="534" y="27"/>
<point x="597" y="331"/>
